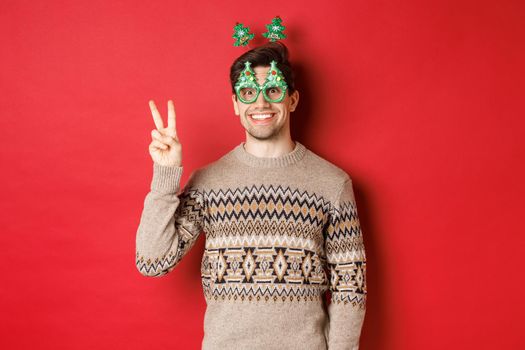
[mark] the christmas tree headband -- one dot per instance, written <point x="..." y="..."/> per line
<point x="246" y="87"/>
<point x="243" y="36"/>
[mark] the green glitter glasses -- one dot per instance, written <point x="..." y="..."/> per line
<point x="273" y="88"/>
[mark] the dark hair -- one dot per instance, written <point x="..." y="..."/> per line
<point x="262" y="56"/>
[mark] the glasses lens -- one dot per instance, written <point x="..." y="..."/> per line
<point x="274" y="93"/>
<point x="248" y="94"/>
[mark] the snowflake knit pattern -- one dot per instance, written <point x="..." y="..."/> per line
<point x="279" y="232"/>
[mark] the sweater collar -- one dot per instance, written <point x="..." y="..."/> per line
<point x="270" y="162"/>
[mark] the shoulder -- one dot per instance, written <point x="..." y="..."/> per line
<point x="322" y="168"/>
<point x="325" y="175"/>
<point x="213" y="171"/>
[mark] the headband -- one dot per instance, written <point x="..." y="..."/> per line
<point x="274" y="87"/>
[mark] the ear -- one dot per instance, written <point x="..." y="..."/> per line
<point x="294" y="100"/>
<point x="235" y="106"/>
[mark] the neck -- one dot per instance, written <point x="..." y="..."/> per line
<point x="269" y="148"/>
<point x="274" y="162"/>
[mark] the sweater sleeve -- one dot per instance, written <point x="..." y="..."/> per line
<point x="346" y="260"/>
<point x="170" y="222"/>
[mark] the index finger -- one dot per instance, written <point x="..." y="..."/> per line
<point x="171" y="116"/>
<point x="156" y="115"/>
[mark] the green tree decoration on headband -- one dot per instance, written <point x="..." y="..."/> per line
<point x="242" y="35"/>
<point x="275" y="30"/>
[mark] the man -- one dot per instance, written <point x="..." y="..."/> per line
<point x="281" y="224"/>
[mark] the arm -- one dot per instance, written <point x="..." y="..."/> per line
<point x="170" y="223"/>
<point x="346" y="260"/>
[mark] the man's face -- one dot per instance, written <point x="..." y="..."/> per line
<point x="279" y="121"/>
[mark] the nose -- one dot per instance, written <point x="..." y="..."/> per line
<point x="261" y="101"/>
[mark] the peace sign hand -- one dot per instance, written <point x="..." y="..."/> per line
<point x="165" y="148"/>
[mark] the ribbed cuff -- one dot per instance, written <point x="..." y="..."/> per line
<point x="166" y="179"/>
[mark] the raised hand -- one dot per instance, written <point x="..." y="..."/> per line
<point x="165" y="148"/>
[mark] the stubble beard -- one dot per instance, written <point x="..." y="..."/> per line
<point x="263" y="133"/>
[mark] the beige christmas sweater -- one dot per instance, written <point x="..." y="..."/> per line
<point x="280" y="232"/>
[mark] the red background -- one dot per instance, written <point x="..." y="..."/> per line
<point x="421" y="102"/>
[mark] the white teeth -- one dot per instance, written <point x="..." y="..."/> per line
<point x="261" y="116"/>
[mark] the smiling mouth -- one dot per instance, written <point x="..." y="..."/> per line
<point x="261" y="118"/>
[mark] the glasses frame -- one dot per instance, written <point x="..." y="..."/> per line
<point x="247" y="79"/>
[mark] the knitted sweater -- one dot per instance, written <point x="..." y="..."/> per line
<point x="280" y="231"/>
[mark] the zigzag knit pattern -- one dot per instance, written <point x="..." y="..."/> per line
<point x="252" y="222"/>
